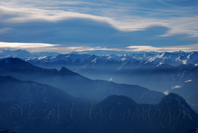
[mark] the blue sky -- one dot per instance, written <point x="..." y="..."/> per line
<point x="108" y="25"/>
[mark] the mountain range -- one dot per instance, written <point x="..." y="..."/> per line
<point x="33" y="107"/>
<point x="51" y="92"/>
<point x="163" y="72"/>
<point x="75" y="84"/>
<point x="120" y="113"/>
<point x="4" y="53"/>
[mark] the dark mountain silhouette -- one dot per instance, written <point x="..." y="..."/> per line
<point x="32" y="107"/>
<point x="121" y="114"/>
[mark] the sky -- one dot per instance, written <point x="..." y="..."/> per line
<point x="99" y="25"/>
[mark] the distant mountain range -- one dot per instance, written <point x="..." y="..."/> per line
<point x="33" y="107"/>
<point x="172" y="69"/>
<point x="171" y="58"/>
<point x="4" y="53"/>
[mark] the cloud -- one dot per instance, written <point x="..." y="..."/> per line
<point x="24" y="45"/>
<point x="91" y="33"/>
<point x="24" y="15"/>
<point x="42" y="47"/>
<point x="186" y="48"/>
<point x="111" y="25"/>
<point x="128" y="17"/>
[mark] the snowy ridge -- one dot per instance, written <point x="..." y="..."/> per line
<point x="171" y="58"/>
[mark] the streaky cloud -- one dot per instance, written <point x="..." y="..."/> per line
<point x="177" y="25"/>
<point x="42" y="47"/>
<point x="24" y="45"/>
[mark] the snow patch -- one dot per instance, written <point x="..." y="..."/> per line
<point x="184" y="61"/>
<point x="94" y="60"/>
<point x="175" y="87"/>
<point x="160" y="63"/>
<point x="109" y="58"/>
<point x="188" y="81"/>
<point x="40" y="58"/>
<point x="189" y="56"/>
<point x="151" y="59"/>
<point x="166" y="92"/>
<point x="177" y="59"/>
<point x="123" y="59"/>
<point x="160" y="56"/>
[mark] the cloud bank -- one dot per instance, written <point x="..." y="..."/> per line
<point x="40" y="47"/>
<point x="24" y="45"/>
<point x="125" y="16"/>
<point x="105" y="25"/>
